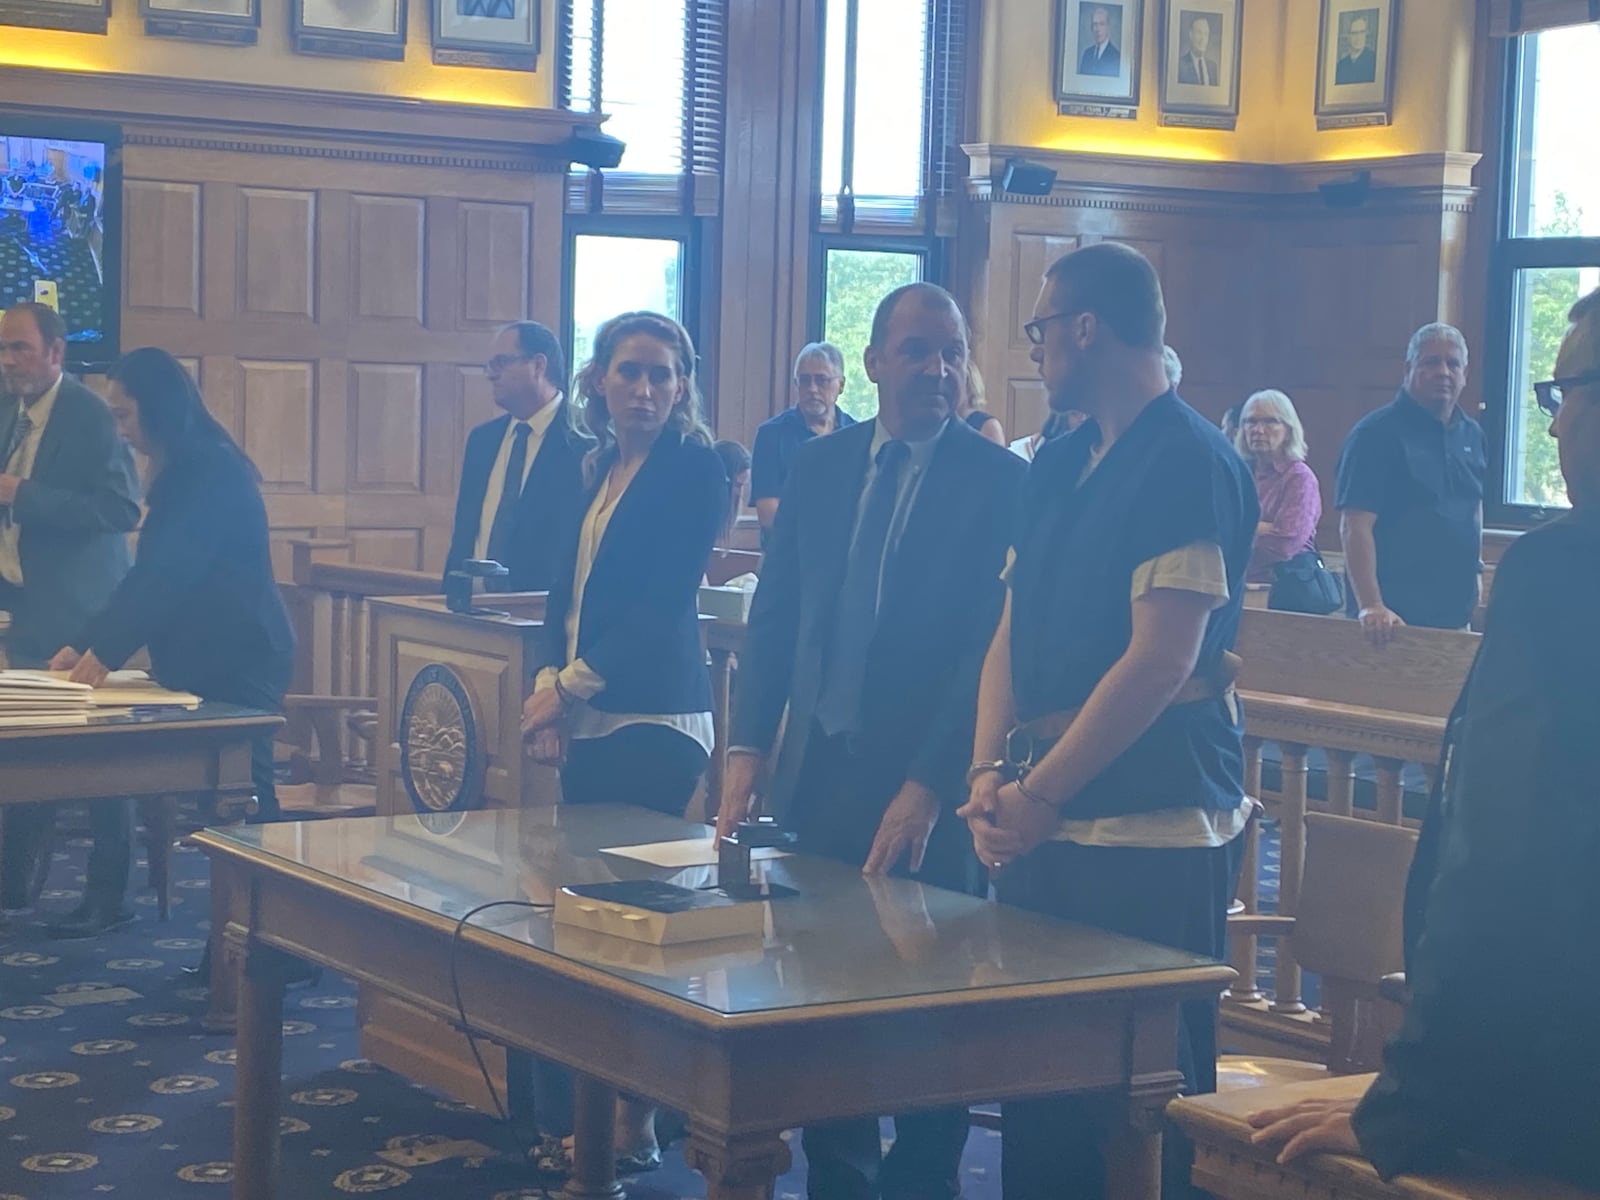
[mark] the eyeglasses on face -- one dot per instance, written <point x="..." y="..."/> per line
<point x="501" y="361"/>
<point x="1548" y="391"/>
<point x="1260" y="422"/>
<point x="820" y="382"/>
<point x="1035" y="329"/>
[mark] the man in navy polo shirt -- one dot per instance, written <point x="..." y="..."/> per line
<point x="1107" y="785"/>
<point x="818" y="383"/>
<point x="1410" y="497"/>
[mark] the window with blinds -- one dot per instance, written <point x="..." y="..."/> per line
<point x="892" y="110"/>
<point x="658" y="69"/>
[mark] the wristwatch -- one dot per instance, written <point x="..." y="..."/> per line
<point x="983" y="768"/>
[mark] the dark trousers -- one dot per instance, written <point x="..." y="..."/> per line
<point x="650" y="766"/>
<point x="27" y="851"/>
<point x="265" y="693"/>
<point x="840" y="798"/>
<point x="1051" y="1148"/>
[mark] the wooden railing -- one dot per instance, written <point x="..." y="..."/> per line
<point x="1315" y="684"/>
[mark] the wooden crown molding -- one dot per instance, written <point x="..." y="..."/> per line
<point x="211" y="114"/>
<point x="1129" y="183"/>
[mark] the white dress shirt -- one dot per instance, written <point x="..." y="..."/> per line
<point x="21" y="465"/>
<point x="538" y="425"/>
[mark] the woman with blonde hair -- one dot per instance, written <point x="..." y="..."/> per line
<point x="971" y="408"/>
<point x="1273" y="441"/>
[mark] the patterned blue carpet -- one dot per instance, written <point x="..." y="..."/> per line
<point x="109" y="1088"/>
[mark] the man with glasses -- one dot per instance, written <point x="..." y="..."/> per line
<point x="1409" y="491"/>
<point x="1504" y="870"/>
<point x="522" y="474"/>
<point x="1107" y="782"/>
<point x="818" y="383"/>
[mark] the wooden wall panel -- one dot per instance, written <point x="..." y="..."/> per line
<point x="386" y="248"/>
<point x="277" y="408"/>
<point x="385" y="440"/>
<point x="277" y="252"/>
<point x="494" y="262"/>
<point x="162" y="239"/>
<point x="401" y="548"/>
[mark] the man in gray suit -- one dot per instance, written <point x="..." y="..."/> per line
<point x="68" y="500"/>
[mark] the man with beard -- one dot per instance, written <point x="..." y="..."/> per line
<point x="876" y="602"/>
<point x="818" y="384"/>
<point x="1108" y="772"/>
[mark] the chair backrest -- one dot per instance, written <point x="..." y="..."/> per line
<point x="1350" y="918"/>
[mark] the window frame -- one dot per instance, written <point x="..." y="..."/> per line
<point x="1509" y="255"/>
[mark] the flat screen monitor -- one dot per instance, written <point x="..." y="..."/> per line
<point x="61" y="227"/>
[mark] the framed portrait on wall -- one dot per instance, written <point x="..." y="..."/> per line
<point x="349" y="28"/>
<point x="1355" y="63"/>
<point x="1097" y="57"/>
<point x="230" y="22"/>
<point x="1201" y="46"/>
<point x="75" y="16"/>
<point x="486" y="33"/>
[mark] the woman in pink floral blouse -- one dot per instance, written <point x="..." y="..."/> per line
<point x="1273" y="440"/>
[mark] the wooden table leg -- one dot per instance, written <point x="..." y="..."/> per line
<point x="741" y="1167"/>
<point x="258" y="1076"/>
<point x="594" y="1153"/>
<point x="1133" y="1161"/>
<point x="222" y="997"/>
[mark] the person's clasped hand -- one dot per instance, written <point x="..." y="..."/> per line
<point x="1307" y="1127"/>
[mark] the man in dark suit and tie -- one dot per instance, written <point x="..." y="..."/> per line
<point x="878" y="592"/>
<point x="522" y="474"/>
<point x="1197" y="67"/>
<point x="1101" y="56"/>
<point x="1359" y="63"/>
<point x="68" y="499"/>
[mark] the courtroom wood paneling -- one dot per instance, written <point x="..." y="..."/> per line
<point x="162" y="237"/>
<point x="386" y="256"/>
<point x="277" y="252"/>
<point x="385" y="440"/>
<point x="277" y="403"/>
<point x="400" y="548"/>
<point x="494" y="262"/>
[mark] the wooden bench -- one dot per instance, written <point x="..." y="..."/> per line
<point x="1229" y="1167"/>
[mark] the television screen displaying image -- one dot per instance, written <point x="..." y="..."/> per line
<point x="60" y="204"/>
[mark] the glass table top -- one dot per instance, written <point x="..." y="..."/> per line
<point x="209" y="713"/>
<point x="843" y="938"/>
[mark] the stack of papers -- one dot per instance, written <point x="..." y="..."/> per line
<point x="48" y="698"/>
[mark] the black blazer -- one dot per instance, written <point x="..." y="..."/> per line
<point x="201" y="596"/>
<point x="553" y="489"/>
<point x="74" y="513"/>
<point x="640" y="624"/>
<point x="941" y="603"/>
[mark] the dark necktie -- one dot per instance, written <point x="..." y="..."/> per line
<point x="19" y="435"/>
<point x="510" y="493"/>
<point x="856" y="615"/>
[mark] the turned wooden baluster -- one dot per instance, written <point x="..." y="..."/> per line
<point x="1291" y="866"/>
<point x="1341" y="782"/>
<point x="1390" y="796"/>
<point x="1242" y="952"/>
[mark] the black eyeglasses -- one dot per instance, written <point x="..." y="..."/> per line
<point x="501" y="361"/>
<point x="820" y="382"/>
<point x="1035" y="329"/>
<point x="1548" y="391"/>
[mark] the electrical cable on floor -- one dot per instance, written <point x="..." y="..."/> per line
<point x="502" y="1110"/>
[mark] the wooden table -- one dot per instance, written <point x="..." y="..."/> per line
<point x="1227" y="1166"/>
<point x="863" y="998"/>
<point x="161" y="754"/>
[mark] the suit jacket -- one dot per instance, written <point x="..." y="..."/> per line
<point x="1361" y="69"/>
<point x="1109" y="63"/>
<point x="640" y="623"/>
<point x="201" y="595"/>
<point x="1188" y="74"/>
<point x="549" y="494"/>
<point x="941" y="601"/>
<point x="1504" y="872"/>
<point x="74" y="514"/>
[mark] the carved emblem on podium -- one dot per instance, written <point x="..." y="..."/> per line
<point x="442" y="756"/>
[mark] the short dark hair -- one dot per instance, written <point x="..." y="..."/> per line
<point x="933" y="296"/>
<point x="534" y="338"/>
<point x="1119" y="286"/>
<point x="51" y="327"/>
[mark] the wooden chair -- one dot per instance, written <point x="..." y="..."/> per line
<point x="1348" y="932"/>
<point x="322" y="781"/>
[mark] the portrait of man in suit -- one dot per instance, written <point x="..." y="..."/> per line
<point x="1199" y="65"/>
<point x="1100" y="29"/>
<point x="1358" y="63"/>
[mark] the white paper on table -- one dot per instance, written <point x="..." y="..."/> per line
<point x="691" y="852"/>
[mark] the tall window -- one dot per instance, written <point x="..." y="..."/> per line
<point x="655" y="67"/>
<point x="1549" y="250"/>
<point x="889" y="165"/>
